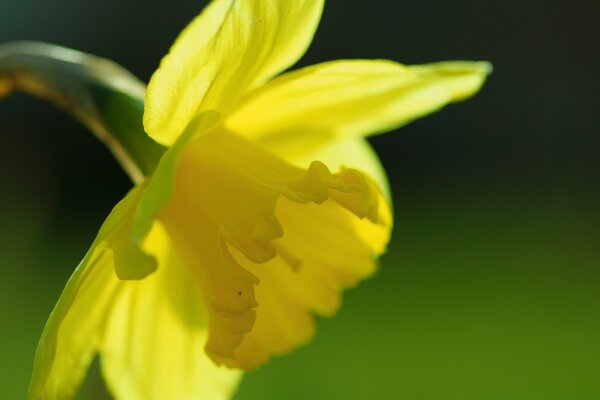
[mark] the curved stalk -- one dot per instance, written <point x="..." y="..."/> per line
<point x="102" y="95"/>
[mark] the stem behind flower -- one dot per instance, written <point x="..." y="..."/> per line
<point x="102" y="95"/>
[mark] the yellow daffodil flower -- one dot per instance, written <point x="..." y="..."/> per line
<point x="267" y="203"/>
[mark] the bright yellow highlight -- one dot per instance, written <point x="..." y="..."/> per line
<point x="352" y="98"/>
<point x="267" y="204"/>
<point x="232" y="47"/>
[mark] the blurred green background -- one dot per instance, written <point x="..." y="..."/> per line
<point x="491" y="287"/>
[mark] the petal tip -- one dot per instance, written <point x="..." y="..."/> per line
<point x="486" y="67"/>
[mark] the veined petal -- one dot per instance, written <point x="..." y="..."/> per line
<point x="306" y="108"/>
<point x="222" y="219"/>
<point x="74" y="331"/>
<point x="231" y="47"/>
<point x="149" y="333"/>
<point x="153" y="347"/>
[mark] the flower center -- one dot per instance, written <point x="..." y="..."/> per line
<point x="222" y="218"/>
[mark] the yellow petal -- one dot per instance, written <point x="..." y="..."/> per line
<point x="232" y="47"/>
<point x="311" y="106"/>
<point x="153" y="347"/>
<point x="223" y="209"/>
<point x="330" y="250"/>
<point x="74" y="331"/>
<point x="157" y="191"/>
<point x="355" y="153"/>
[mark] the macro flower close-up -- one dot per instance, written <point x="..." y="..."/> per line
<point x="264" y="203"/>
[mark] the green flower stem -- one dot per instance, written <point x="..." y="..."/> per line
<point x="104" y="96"/>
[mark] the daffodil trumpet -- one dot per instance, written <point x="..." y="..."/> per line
<point x="257" y="199"/>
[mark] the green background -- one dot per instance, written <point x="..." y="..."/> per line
<point x="491" y="286"/>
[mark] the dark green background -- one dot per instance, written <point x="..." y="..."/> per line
<point x="490" y="289"/>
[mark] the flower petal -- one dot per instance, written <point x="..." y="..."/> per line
<point x="223" y="209"/>
<point x="306" y="108"/>
<point x="355" y="153"/>
<point x="231" y="47"/>
<point x="326" y="249"/>
<point x="153" y="347"/>
<point x="74" y="331"/>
